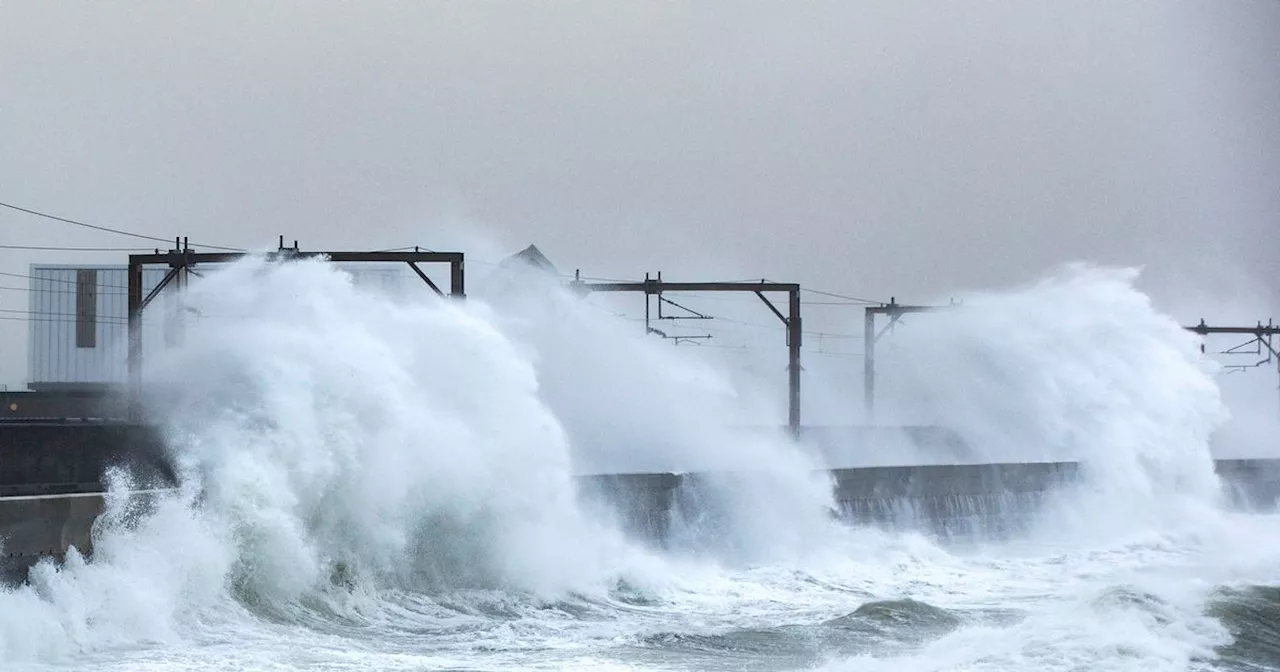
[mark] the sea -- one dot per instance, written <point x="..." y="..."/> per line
<point x="376" y="483"/>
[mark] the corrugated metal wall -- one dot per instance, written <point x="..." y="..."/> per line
<point x="79" y="319"/>
<point x="58" y="311"/>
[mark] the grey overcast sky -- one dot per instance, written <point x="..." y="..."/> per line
<point x="872" y="147"/>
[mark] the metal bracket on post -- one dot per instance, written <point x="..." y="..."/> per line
<point x="1262" y="337"/>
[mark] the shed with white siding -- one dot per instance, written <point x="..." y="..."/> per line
<point x="78" y="317"/>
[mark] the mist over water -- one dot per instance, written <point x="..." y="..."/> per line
<point x="1077" y="366"/>
<point x="375" y="481"/>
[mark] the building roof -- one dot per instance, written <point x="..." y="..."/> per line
<point x="530" y="256"/>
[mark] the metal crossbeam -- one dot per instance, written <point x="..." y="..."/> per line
<point x="289" y="253"/>
<point x="1261" y="330"/>
<point x="660" y="286"/>
<point x="1262" y="337"/>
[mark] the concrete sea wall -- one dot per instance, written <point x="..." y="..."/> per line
<point x="36" y="526"/>
<point x="52" y="474"/>
<point x="942" y="500"/>
<point x="61" y="457"/>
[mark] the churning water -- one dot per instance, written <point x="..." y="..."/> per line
<point x="374" y="483"/>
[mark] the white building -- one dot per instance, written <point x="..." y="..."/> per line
<point x="78" y="317"/>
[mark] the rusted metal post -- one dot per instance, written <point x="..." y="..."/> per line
<point x="869" y="366"/>
<point x="794" y="332"/>
<point x="135" y="339"/>
<point x="457" y="278"/>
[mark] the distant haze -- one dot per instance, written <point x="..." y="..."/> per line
<point x="902" y="148"/>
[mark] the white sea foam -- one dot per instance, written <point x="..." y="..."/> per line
<point x="329" y="436"/>
<point x="387" y="484"/>
<point x="1077" y="366"/>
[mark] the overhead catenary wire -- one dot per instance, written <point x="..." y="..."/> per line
<point x="59" y="248"/>
<point x="747" y="281"/>
<point x="107" y="229"/>
<point x="56" y="281"/>
<point x="846" y="297"/>
<point x="97" y="227"/>
<point x="853" y="300"/>
<point x="38" y="318"/>
<point x="116" y="319"/>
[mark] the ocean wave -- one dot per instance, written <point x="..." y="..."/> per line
<point x="1252" y="615"/>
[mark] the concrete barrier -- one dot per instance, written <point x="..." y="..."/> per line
<point x="34" y="527"/>
<point x="946" y="501"/>
<point x="51" y="478"/>
<point x="59" y="457"/>
<point x="37" y="526"/>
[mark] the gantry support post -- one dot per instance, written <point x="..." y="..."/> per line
<point x="869" y="365"/>
<point x="794" y="333"/>
<point x="895" y="311"/>
<point x="457" y="278"/>
<point x="135" y="340"/>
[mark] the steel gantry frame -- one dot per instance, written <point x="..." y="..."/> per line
<point x="792" y="320"/>
<point x="1262" y="338"/>
<point x="181" y="261"/>
<point x="894" y="311"/>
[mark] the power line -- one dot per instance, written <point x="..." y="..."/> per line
<point x="69" y="291"/>
<point x="56" y="280"/>
<point x="95" y="227"/>
<point x="113" y="319"/>
<point x="61" y="320"/>
<point x="411" y="248"/>
<point x="55" y="248"/>
<point x="842" y="296"/>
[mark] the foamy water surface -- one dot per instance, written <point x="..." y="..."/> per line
<point x="371" y="484"/>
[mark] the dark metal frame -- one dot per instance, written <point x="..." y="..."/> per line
<point x="181" y="260"/>
<point x="1262" y="340"/>
<point x="792" y="321"/>
<point x="895" y="311"/>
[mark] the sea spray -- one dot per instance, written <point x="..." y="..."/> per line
<point x="432" y="445"/>
<point x="332" y="439"/>
<point x="180" y="589"/>
<point x="325" y="436"/>
<point x="632" y="403"/>
<point x="402" y="441"/>
<point x="1077" y="366"/>
<point x="157" y="567"/>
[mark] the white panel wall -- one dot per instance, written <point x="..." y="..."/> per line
<point x="53" y="357"/>
<point x="52" y="353"/>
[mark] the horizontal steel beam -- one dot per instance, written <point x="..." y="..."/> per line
<point x="1259" y="330"/>
<point x="340" y="257"/>
<point x="658" y="286"/>
<point x="894" y="308"/>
